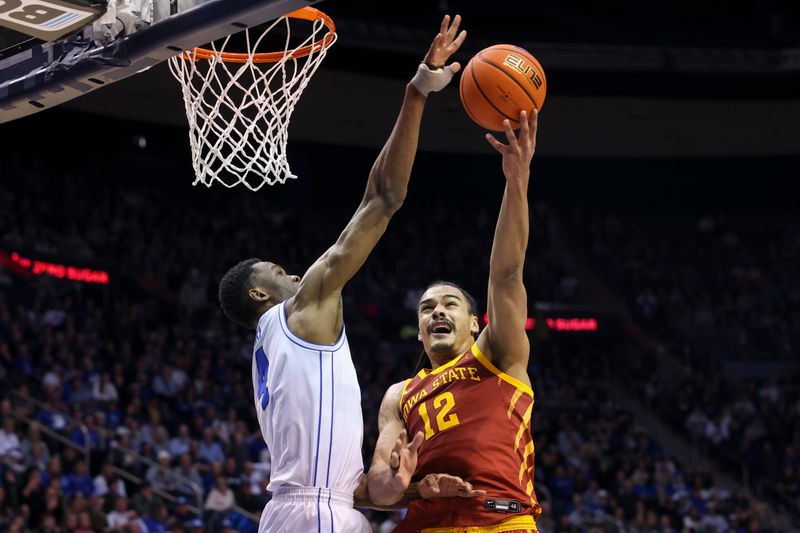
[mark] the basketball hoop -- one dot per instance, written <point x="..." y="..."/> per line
<point x="239" y="104"/>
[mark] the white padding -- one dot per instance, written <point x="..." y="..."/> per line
<point x="428" y="80"/>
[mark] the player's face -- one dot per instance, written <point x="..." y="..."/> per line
<point x="273" y="279"/>
<point x="446" y="324"/>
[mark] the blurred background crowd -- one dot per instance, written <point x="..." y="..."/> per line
<point x="128" y="406"/>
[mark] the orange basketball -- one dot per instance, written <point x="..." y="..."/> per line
<point x="499" y="82"/>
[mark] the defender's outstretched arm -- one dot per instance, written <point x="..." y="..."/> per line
<point x="504" y="340"/>
<point x="387" y="185"/>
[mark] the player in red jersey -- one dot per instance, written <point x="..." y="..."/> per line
<point x="474" y="405"/>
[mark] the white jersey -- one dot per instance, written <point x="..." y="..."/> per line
<point x="309" y="408"/>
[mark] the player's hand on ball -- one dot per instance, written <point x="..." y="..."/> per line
<point x="403" y="460"/>
<point x="446" y="486"/>
<point x="445" y="44"/>
<point x="517" y="154"/>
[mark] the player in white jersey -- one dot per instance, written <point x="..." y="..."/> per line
<point x="306" y="390"/>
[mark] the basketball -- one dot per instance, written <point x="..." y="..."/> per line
<point x="499" y="82"/>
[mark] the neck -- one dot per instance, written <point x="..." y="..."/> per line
<point x="264" y="308"/>
<point x="443" y="358"/>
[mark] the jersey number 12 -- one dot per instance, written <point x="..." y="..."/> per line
<point x="443" y="404"/>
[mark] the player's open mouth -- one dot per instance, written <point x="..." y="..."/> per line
<point x="441" y="327"/>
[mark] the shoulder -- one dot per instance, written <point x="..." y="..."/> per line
<point x="512" y="370"/>
<point x="390" y="406"/>
<point x="394" y="392"/>
<point x="319" y="321"/>
<point x="310" y="294"/>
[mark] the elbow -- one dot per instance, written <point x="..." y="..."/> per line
<point x="385" y="193"/>
<point x="392" y="200"/>
<point x="387" y="203"/>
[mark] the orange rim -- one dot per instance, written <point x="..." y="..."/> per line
<point x="304" y="13"/>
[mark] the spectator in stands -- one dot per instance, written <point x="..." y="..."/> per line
<point x="161" y="440"/>
<point x="34" y="449"/>
<point x="146" y="502"/>
<point x="180" y="444"/>
<point x="210" y="450"/>
<point x="182" y="512"/>
<point x="195" y="525"/>
<point x="254" y="490"/>
<point x="97" y="513"/>
<point x="79" y="481"/>
<point x="77" y="393"/>
<point x="220" y="498"/>
<point x="84" y="523"/>
<point x="187" y="477"/>
<point x="121" y="516"/>
<point x="163" y="384"/>
<point x="159" y="475"/>
<point x="85" y="430"/>
<point x="157" y="521"/>
<point x="10" y="449"/>
<point x="103" y="389"/>
<point x="713" y="521"/>
<point x="103" y="480"/>
<point x="194" y="292"/>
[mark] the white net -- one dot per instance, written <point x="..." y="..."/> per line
<point x="239" y="112"/>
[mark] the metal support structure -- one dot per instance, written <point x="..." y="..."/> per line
<point x="66" y="69"/>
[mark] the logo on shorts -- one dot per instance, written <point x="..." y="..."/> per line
<point x="45" y="19"/>
<point x="502" y="506"/>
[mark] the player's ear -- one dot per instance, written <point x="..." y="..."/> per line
<point x="258" y="295"/>
<point x="419" y="336"/>
<point x="474" y="325"/>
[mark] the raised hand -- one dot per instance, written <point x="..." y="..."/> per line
<point x="446" y="486"/>
<point x="403" y="461"/>
<point x="517" y="154"/>
<point x="445" y="44"/>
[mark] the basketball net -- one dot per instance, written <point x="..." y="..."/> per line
<point x="239" y="104"/>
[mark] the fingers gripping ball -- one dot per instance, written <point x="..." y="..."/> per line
<point x="499" y="82"/>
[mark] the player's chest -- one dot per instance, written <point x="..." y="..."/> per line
<point x="446" y="400"/>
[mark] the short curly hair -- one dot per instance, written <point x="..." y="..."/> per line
<point x="234" y="294"/>
<point x="472" y="305"/>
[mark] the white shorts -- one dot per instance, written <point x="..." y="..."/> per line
<point x="312" y="510"/>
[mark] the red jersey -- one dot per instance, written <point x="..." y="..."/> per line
<point x="476" y="421"/>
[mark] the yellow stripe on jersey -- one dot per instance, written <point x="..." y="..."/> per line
<point x="447" y="365"/>
<point x="526" y="419"/>
<point x="528" y="451"/>
<point x="515" y="523"/>
<point x="494" y="370"/>
<point x="514" y="398"/>
<point x="529" y="488"/>
<point x="402" y="394"/>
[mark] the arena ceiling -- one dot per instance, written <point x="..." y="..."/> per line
<point x="626" y="79"/>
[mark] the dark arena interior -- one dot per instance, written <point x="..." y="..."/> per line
<point x="662" y="272"/>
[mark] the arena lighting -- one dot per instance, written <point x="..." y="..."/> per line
<point x="560" y="324"/>
<point x="38" y="267"/>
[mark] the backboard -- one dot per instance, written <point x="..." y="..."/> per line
<point x="52" y="51"/>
